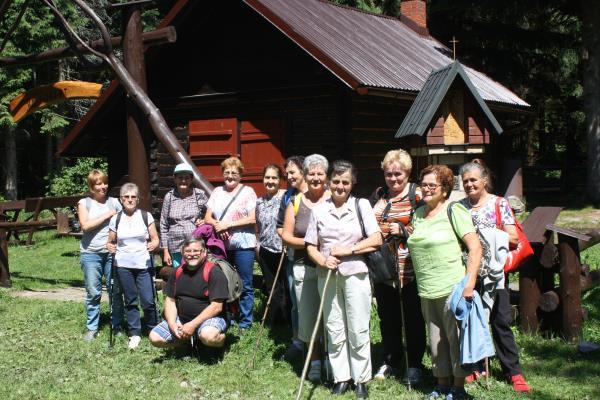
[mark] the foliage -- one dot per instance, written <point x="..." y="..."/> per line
<point x="386" y="7"/>
<point x="72" y="180"/>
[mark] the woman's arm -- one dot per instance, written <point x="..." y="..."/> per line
<point x="367" y="245"/>
<point x="91" y="224"/>
<point x="471" y="240"/>
<point x="513" y="236"/>
<point x="249" y="220"/>
<point x="153" y="243"/>
<point x="288" y="229"/>
<point x="111" y="244"/>
<point x="330" y="262"/>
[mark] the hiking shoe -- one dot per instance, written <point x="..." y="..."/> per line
<point x="456" y="393"/>
<point x="118" y="333"/>
<point x="474" y="376"/>
<point x="383" y="372"/>
<point x="293" y="352"/>
<point x="134" y="342"/>
<point x="89" y="336"/>
<point x="413" y="376"/>
<point x="439" y="392"/>
<point x="519" y="384"/>
<point x="314" y="373"/>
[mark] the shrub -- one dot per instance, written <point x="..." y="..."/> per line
<point x="72" y="180"/>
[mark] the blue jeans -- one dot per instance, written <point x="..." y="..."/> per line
<point x="94" y="267"/>
<point x="243" y="259"/>
<point x="289" y="274"/>
<point x="134" y="281"/>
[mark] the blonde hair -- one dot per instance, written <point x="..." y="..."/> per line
<point x="96" y="176"/>
<point x="232" y="162"/>
<point x="401" y="157"/>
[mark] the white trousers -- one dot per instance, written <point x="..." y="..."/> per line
<point x="347" y="313"/>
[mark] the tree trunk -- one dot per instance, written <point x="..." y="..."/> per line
<point x="590" y="12"/>
<point x="10" y="163"/>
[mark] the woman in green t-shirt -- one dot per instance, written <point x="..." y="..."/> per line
<point x="437" y="259"/>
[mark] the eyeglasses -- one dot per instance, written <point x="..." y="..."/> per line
<point x="231" y="173"/>
<point x="430" y="186"/>
<point x="193" y="251"/>
<point x="129" y="196"/>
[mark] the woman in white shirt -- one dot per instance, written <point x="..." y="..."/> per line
<point x="128" y="239"/>
<point x="94" y="213"/>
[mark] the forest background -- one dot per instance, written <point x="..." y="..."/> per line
<point x="546" y="51"/>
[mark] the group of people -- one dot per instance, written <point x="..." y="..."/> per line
<point x="318" y="234"/>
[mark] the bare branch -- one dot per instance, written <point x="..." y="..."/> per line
<point x="94" y="17"/>
<point x="72" y="34"/>
<point x="14" y="26"/>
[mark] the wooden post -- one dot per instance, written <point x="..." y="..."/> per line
<point x="570" y="287"/>
<point x="137" y="137"/>
<point x="529" y="295"/>
<point x="4" y="271"/>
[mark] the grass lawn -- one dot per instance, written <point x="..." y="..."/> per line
<point x="43" y="357"/>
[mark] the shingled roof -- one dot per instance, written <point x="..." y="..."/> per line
<point x="430" y="97"/>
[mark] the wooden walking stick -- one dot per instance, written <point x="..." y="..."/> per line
<point x="314" y="335"/>
<point x="262" y="322"/>
<point x="405" y="344"/>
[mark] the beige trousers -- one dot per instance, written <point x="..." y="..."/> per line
<point x="307" y="294"/>
<point x="347" y="313"/>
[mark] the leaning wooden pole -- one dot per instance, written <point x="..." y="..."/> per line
<point x="134" y="91"/>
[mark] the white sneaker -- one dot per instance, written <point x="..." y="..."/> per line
<point x="134" y="342"/>
<point x="413" y="375"/>
<point x="383" y="372"/>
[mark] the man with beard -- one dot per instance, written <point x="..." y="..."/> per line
<point x="194" y="305"/>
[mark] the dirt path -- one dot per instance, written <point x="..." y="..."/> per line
<point x="64" y="294"/>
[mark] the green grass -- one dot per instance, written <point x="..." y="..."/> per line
<point x="43" y="356"/>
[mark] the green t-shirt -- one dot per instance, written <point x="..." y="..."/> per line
<point x="435" y="250"/>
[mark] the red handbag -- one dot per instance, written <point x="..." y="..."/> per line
<point x="523" y="250"/>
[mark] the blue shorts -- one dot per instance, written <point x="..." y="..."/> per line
<point x="164" y="332"/>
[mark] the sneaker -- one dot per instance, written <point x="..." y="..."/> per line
<point x="293" y="352"/>
<point x="519" y="384"/>
<point x="439" y="392"/>
<point x="314" y="373"/>
<point x="413" y="376"/>
<point x="383" y="372"/>
<point x="118" y="333"/>
<point x="134" y="342"/>
<point x="456" y="393"/>
<point x="89" y="336"/>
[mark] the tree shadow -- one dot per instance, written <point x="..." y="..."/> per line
<point x="52" y="281"/>
<point x="204" y="355"/>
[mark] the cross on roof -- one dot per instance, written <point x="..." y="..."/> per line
<point x="454" y="41"/>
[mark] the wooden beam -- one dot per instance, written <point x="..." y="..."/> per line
<point x="570" y="287"/>
<point x="152" y="38"/>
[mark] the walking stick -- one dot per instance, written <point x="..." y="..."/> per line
<point x="404" y="345"/>
<point x="154" y="292"/>
<point x="111" y="283"/>
<point x="262" y="322"/>
<point x="314" y="335"/>
<point x="487" y="373"/>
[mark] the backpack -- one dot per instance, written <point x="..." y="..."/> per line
<point x="120" y="213"/>
<point x="234" y="282"/>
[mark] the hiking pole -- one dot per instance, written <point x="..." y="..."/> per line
<point x="314" y="335"/>
<point x="262" y="322"/>
<point x="400" y="288"/>
<point x="111" y="284"/>
<point x="487" y="373"/>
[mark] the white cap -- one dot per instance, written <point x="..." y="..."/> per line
<point x="183" y="168"/>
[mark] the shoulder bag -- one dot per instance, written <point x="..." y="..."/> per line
<point x="381" y="262"/>
<point x="523" y="250"/>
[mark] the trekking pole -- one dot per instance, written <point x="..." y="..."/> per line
<point x="111" y="283"/>
<point x="262" y="322"/>
<point x="487" y="373"/>
<point x="404" y="345"/>
<point x="314" y="335"/>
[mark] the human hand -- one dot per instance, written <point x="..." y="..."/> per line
<point x="221" y="226"/>
<point x="111" y="247"/>
<point x="341" y="251"/>
<point x="395" y="229"/>
<point x="109" y="214"/>
<point x="224" y="235"/>
<point x="331" y="262"/>
<point x="187" y="330"/>
<point x="176" y="328"/>
<point x="199" y="222"/>
<point x="468" y="292"/>
<point x="167" y="258"/>
<point x="152" y="245"/>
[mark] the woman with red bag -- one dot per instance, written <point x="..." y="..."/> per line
<point x="490" y="211"/>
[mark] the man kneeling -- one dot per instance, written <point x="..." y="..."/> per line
<point x="193" y="305"/>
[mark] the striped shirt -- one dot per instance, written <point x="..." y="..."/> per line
<point x="400" y="211"/>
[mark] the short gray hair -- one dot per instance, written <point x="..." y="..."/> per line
<point x="193" y="240"/>
<point x="315" y="160"/>
<point x="483" y="172"/>
<point x="340" y="167"/>
<point x="129" y="187"/>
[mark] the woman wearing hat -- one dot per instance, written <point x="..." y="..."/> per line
<point x="183" y="209"/>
